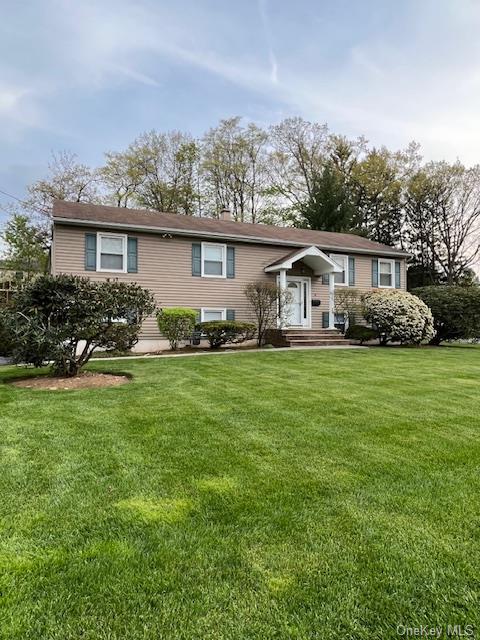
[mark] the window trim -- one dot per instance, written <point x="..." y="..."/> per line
<point x="332" y="275"/>
<point x="100" y="235"/>
<point x="392" y="274"/>
<point x="223" y="311"/>
<point x="224" y="259"/>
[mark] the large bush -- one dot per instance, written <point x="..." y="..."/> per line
<point x="398" y="316"/>
<point x="65" y="318"/>
<point x="176" y="324"/>
<point x="456" y="311"/>
<point x="220" y="332"/>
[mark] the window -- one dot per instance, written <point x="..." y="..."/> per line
<point x="342" y="262"/>
<point x="112" y="252"/>
<point x="385" y="273"/>
<point x="207" y="315"/>
<point x="213" y="260"/>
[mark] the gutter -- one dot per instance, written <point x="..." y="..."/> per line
<point x="223" y="236"/>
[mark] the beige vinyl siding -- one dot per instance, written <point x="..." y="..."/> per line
<point x="165" y="267"/>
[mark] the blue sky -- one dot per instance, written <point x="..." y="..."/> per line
<point x="90" y="75"/>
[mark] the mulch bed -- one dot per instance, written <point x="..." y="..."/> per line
<point x="86" y="380"/>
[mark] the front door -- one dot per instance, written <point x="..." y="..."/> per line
<point x="297" y="312"/>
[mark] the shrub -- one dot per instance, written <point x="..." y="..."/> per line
<point x="6" y="345"/>
<point x="176" y="324"/>
<point x="348" y="301"/>
<point x="399" y="316"/>
<point x="456" y="311"/>
<point x="65" y="318"/>
<point x="268" y="304"/>
<point x="220" y="332"/>
<point x="361" y="333"/>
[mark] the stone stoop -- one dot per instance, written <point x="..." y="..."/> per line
<point x="307" y="338"/>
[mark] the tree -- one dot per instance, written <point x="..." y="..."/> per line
<point x="398" y="316"/>
<point x="268" y="305"/>
<point x="299" y="150"/>
<point x="121" y="176"/>
<point x="65" y="318"/>
<point x="377" y="184"/>
<point x="329" y="206"/>
<point x="456" y="311"/>
<point x="67" y="180"/>
<point x="166" y="167"/>
<point x="348" y="301"/>
<point x="234" y="169"/>
<point x="26" y="246"/>
<point x="443" y="220"/>
<point x="176" y="324"/>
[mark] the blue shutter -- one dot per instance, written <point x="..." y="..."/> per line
<point x="351" y="271"/>
<point x="132" y="255"/>
<point x="230" y="314"/>
<point x="90" y="252"/>
<point x="325" y="319"/>
<point x="374" y="272"/>
<point x="325" y="278"/>
<point x="196" y="259"/>
<point x="230" y="262"/>
<point x="397" y="275"/>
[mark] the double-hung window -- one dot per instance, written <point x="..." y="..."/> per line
<point x="342" y="262"/>
<point x="386" y="272"/>
<point x="207" y="315"/>
<point x="214" y="259"/>
<point x="112" y="252"/>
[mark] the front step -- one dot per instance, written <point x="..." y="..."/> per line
<point x="313" y="338"/>
<point x="341" y="342"/>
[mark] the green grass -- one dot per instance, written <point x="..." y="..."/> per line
<point x="314" y="494"/>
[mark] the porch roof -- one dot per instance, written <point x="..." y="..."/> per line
<point x="318" y="261"/>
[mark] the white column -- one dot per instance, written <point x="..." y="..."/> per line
<point x="331" y="302"/>
<point x="283" y="287"/>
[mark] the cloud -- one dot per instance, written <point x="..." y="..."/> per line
<point x="262" y="8"/>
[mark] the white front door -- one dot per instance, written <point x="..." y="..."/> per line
<point x="297" y="313"/>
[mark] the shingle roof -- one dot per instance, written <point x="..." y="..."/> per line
<point x="144" y="220"/>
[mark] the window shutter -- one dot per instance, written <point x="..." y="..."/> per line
<point x="374" y="272"/>
<point x="351" y="271"/>
<point x="196" y="259"/>
<point x="230" y="262"/>
<point x="230" y="314"/>
<point x="199" y="315"/>
<point x="132" y="255"/>
<point x="397" y="275"/>
<point x="325" y="278"/>
<point x="90" y="252"/>
<point x="325" y="319"/>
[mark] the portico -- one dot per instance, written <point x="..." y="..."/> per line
<point x="300" y="287"/>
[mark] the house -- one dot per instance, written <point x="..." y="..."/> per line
<point x="205" y="263"/>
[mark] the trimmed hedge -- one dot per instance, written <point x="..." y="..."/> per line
<point x="361" y="333"/>
<point x="456" y="311"/>
<point x="176" y="324"/>
<point x="219" y="332"/>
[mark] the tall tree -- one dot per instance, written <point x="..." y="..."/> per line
<point x="377" y="181"/>
<point x="166" y="165"/>
<point x="329" y="206"/>
<point x="234" y="169"/>
<point x="67" y="179"/>
<point x="121" y="177"/>
<point x="26" y="246"/>
<point x="299" y="150"/>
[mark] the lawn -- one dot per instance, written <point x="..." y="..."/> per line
<point x="307" y="494"/>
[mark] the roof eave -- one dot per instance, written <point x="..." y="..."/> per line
<point x="225" y="236"/>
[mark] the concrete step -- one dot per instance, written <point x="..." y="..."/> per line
<point x="316" y="334"/>
<point x="318" y="343"/>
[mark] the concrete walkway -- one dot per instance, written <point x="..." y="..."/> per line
<point x="225" y="352"/>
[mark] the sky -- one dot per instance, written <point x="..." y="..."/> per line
<point x="90" y="75"/>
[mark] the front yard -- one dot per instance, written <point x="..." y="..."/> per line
<point x="316" y="494"/>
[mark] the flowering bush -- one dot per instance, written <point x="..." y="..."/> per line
<point x="399" y="316"/>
